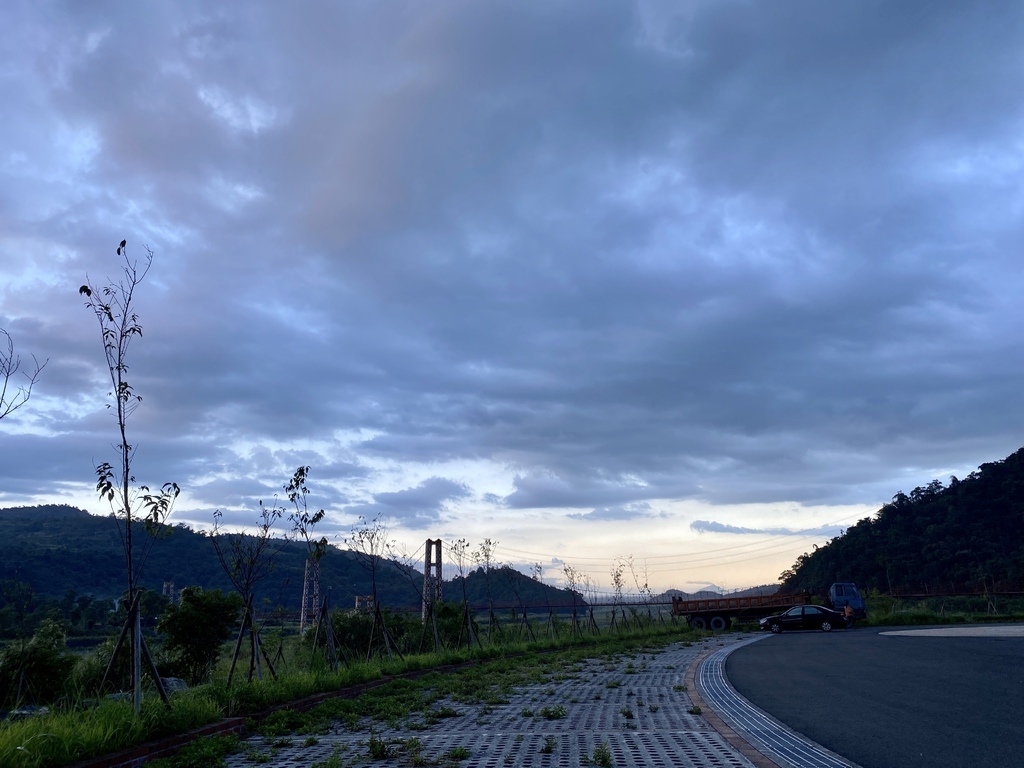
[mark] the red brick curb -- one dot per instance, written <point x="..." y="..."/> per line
<point x="133" y="757"/>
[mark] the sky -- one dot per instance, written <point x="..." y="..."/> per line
<point x="699" y="284"/>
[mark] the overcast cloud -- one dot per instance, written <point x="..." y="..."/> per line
<point x="580" y="277"/>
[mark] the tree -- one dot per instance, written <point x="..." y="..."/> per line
<point x="195" y="629"/>
<point x="114" y="308"/>
<point x="248" y="560"/>
<point x="12" y="397"/>
<point x="369" y="542"/>
<point x="461" y="558"/>
<point x="484" y="557"/>
<point x="572" y="582"/>
<point x="303" y="522"/>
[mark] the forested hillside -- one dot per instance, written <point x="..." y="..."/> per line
<point x="967" y="536"/>
<point x="60" y="549"/>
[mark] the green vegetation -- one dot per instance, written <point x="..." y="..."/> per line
<point x="201" y="753"/>
<point x="72" y="564"/>
<point x="602" y="756"/>
<point x="195" y="629"/>
<point x="960" y="538"/>
<point x="887" y="611"/>
<point x="457" y="753"/>
<point x="553" y="713"/>
<point x="72" y="733"/>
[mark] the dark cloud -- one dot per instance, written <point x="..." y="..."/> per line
<point x="625" y="512"/>
<point x="617" y="254"/>
<point x="709" y="526"/>
<point x="413" y="507"/>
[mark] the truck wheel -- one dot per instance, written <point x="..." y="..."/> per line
<point x="826" y="626"/>
<point x="719" y="623"/>
<point x="698" y="622"/>
<point x="775" y="627"/>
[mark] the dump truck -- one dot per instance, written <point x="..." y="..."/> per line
<point x="718" y="613"/>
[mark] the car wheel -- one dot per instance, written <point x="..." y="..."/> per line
<point x="698" y="622"/>
<point x="826" y="626"/>
<point x="719" y="623"/>
<point x="775" y="627"/>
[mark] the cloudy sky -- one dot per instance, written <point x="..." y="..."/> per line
<point x="698" y="282"/>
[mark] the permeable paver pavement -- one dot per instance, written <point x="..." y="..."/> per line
<point x="633" y="704"/>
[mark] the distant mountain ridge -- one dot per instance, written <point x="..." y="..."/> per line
<point x="57" y="548"/>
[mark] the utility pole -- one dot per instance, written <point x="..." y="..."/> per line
<point x="431" y="575"/>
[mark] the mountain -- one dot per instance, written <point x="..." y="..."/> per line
<point x="939" y="539"/>
<point x="58" y="548"/>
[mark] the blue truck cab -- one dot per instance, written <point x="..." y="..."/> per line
<point x="842" y="593"/>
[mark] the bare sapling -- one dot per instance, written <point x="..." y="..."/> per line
<point x="12" y="394"/>
<point x="248" y="560"/>
<point x="114" y="308"/>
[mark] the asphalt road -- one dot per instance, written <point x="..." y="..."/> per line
<point x="891" y="701"/>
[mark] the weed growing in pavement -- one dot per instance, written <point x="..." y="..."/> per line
<point x="553" y="713"/>
<point x="680" y="688"/>
<point x="652" y="708"/>
<point x="627" y="713"/>
<point x="413" y="751"/>
<point x="613" y="684"/>
<point x="457" y="753"/>
<point x="694" y="710"/>
<point x="334" y="761"/>
<point x="379" y="749"/>
<point x="602" y="756"/>
<point x="253" y="755"/>
<point x="549" y="745"/>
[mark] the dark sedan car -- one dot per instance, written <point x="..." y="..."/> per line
<point x="804" y="617"/>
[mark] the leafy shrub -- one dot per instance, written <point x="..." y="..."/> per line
<point x="195" y="629"/>
<point x="39" y="671"/>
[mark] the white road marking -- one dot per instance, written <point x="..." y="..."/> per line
<point x="974" y="630"/>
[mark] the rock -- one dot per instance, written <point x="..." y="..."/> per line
<point x="174" y="684"/>
<point x="29" y="710"/>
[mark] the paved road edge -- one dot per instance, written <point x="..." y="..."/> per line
<point x="741" y="745"/>
<point x="780" y="741"/>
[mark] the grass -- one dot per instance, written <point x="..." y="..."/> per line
<point x="602" y="756"/>
<point x="67" y="735"/>
<point x="75" y="733"/>
<point x="553" y="713"/>
<point x="202" y="753"/>
<point x="457" y="753"/>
